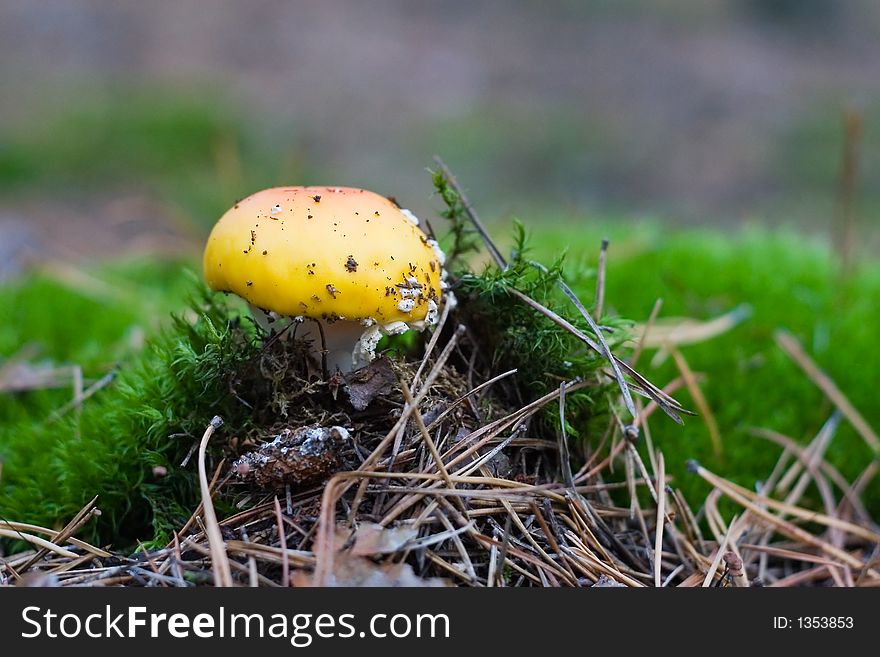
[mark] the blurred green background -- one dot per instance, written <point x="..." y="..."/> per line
<point x="705" y="138"/>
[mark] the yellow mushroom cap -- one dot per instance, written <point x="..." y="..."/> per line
<point x="326" y="253"/>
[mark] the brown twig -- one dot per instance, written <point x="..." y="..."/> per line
<point x="600" y="280"/>
<point x="220" y="560"/>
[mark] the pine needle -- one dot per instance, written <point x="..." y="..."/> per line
<point x="222" y="571"/>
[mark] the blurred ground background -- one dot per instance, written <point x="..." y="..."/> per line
<point x="122" y="121"/>
<point x="127" y="128"/>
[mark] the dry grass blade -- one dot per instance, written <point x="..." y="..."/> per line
<point x="678" y="332"/>
<point x="35" y="529"/>
<point x="81" y="398"/>
<point x="669" y="405"/>
<point x="282" y="539"/>
<point x="793" y="348"/>
<point x="601" y="270"/>
<point x="661" y="522"/>
<point x="564" y="454"/>
<point x="739" y="493"/>
<point x="646" y="330"/>
<point x="845" y="223"/>
<point x="438" y="460"/>
<point x="829" y="470"/>
<point x="601" y="348"/>
<point x="222" y="571"/>
<point x="726" y="540"/>
<point x="647" y="389"/>
<point x="792" y="555"/>
<point x="42" y="543"/>
<point x="453" y="472"/>
<point x="82" y="517"/>
<point x="699" y="399"/>
<point x="472" y="214"/>
<point x="429" y="349"/>
<point x="782" y="526"/>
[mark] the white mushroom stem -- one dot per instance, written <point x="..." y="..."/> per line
<point x="347" y="345"/>
<point x="340" y="342"/>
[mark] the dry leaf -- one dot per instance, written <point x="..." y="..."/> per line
<point x="351" y="570"/>
<point x="371" y="538"/>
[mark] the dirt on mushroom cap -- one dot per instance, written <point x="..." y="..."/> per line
<point x="283" y="248"/>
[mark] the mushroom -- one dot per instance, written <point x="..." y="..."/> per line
<point x="349" y="259"/>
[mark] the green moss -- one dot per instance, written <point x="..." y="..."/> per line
<point x="544" y="355"/>
<point x="173" y="386"/>
<point x="515" y="335"/>
<point x="95" y="322"/>
<point x="790" y="282"/>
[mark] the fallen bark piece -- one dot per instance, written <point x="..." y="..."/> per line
<point x="296" y="457"/>
<point x="367" y="383"/>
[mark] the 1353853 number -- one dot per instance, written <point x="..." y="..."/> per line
<point x="824" y="622"/>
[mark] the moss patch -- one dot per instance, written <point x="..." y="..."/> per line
<point x="790" y="282"/>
